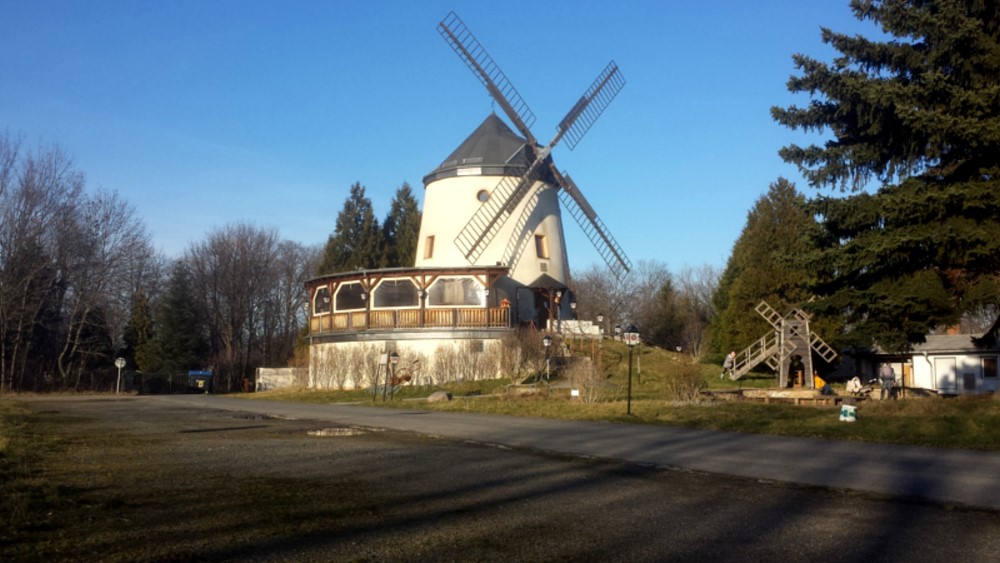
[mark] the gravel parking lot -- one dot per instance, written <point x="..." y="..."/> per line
<point x="360" y="494"/>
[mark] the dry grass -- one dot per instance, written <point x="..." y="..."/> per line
<point x="665" y="390"/>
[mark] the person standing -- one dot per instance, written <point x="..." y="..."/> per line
<point x="729" y="364"/>
<point x="888" y="377"/>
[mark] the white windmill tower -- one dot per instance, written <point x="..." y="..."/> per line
<point x="496" y="199"/>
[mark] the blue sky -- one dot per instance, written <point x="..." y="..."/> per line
<point x="205" y="113"/>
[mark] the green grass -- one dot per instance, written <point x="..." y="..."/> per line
<point x="965" y="422"/>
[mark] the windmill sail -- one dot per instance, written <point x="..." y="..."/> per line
<point x="488" y="220"/>
<point x="592" y="104"/>
<point x="599" y="235"/>
<point x="472" y="53"/>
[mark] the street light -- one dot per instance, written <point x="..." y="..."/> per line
<point x="631" y="338"/>
<point x="547" y="342"/>
<point x="393" y="360"/>
<point x="618" y="332"/>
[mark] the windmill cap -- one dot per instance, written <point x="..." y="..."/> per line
<point x="493" y="149"/>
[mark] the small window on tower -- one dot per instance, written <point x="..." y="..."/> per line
<point x="541" y="246"/>
<point x="483" y="196"/>
<point x="429" y="247"/>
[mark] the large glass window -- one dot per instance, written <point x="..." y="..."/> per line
<point x="395" y="293"/>
<point x="321" y="301"/>
<point x="456" y="292"/>
<point x="350" y="297"/>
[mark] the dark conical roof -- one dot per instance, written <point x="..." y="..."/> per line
<point x="491" y="150"/>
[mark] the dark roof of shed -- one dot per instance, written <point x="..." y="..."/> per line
<point x="493" y="149"/>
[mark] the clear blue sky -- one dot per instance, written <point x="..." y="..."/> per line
<point x="203" y="113"/>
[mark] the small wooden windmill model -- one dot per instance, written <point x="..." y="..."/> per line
<point x="791" y="338"/>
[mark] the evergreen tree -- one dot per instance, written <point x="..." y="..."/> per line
<point x="356" y="240"/>
<point x="401" y="229"/>
<point x="765" y="265"/>
<point x="918" y="115"/>
<point x="138" y="334"/>
<point x="180" y="343"/>
<point x="667" y="325"/>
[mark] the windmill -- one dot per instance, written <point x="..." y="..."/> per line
<point x="791" y="338"/>
<point x="507" y="198"/>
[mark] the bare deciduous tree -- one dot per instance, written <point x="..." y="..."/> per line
<point x="106" y="241"/>
<point x="39" y="195"/>
<point x="696" y="287"/>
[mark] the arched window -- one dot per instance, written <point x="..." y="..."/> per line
<point x="351" y="297"/>
<point x="395" y="293"/>
<point x="321" y="301"/>
<point x="452" y="292"/>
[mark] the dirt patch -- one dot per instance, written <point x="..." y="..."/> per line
<point x="138" y="479"/>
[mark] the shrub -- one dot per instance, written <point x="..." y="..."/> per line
<point x="684" y="383"/>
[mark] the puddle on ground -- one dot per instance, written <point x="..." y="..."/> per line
<point x="253" y="417"/>
<point x="337" y="432"/>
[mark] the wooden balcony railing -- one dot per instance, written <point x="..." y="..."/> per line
<point x="390" y="319"/>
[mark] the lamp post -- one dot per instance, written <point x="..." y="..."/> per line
<point x="595" y="355"/>
<point x="547" y="342"/>
<point x="393" y="360"/>
<point x="618" y="332"/>
<point x="576" y="324"/>
<point x="631" y="338"/>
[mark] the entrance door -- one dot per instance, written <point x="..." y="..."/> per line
<point x="944" y="370"/>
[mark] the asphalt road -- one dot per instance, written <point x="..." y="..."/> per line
<point x="958" y="477"/>
<point x="457" y="487"/>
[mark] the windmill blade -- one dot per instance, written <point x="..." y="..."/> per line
<point x="773" y="317"/>
<point x="488" y="219"/>
<point x="606" y="245"/>
<point x="472" y="53"/>
<point x="824" y="350"/>
<point x="592" y="104"/>
<point x="486" y="222"/>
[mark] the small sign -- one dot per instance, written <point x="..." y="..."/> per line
<point x="119" y="363"/>
<point x="631" y="338"/>
<point x="574" y="392"/>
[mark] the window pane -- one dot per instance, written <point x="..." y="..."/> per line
<point x="321" y="302"/>
<point x="350" y="296"/>
<point x="456" y="292"/>
<point x="395" y="293"/>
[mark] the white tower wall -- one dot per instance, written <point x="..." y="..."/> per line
<point x="449" y="203"/>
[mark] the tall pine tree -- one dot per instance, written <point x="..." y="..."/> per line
<point x="765" y="265"/>
<point x="179" y="343"/>
<point x="918" y="116"/>
<point x="401" y="229"/>
<point x="356" y="240"/>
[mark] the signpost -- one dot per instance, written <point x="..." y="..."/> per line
<point x="119" y="363"/>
